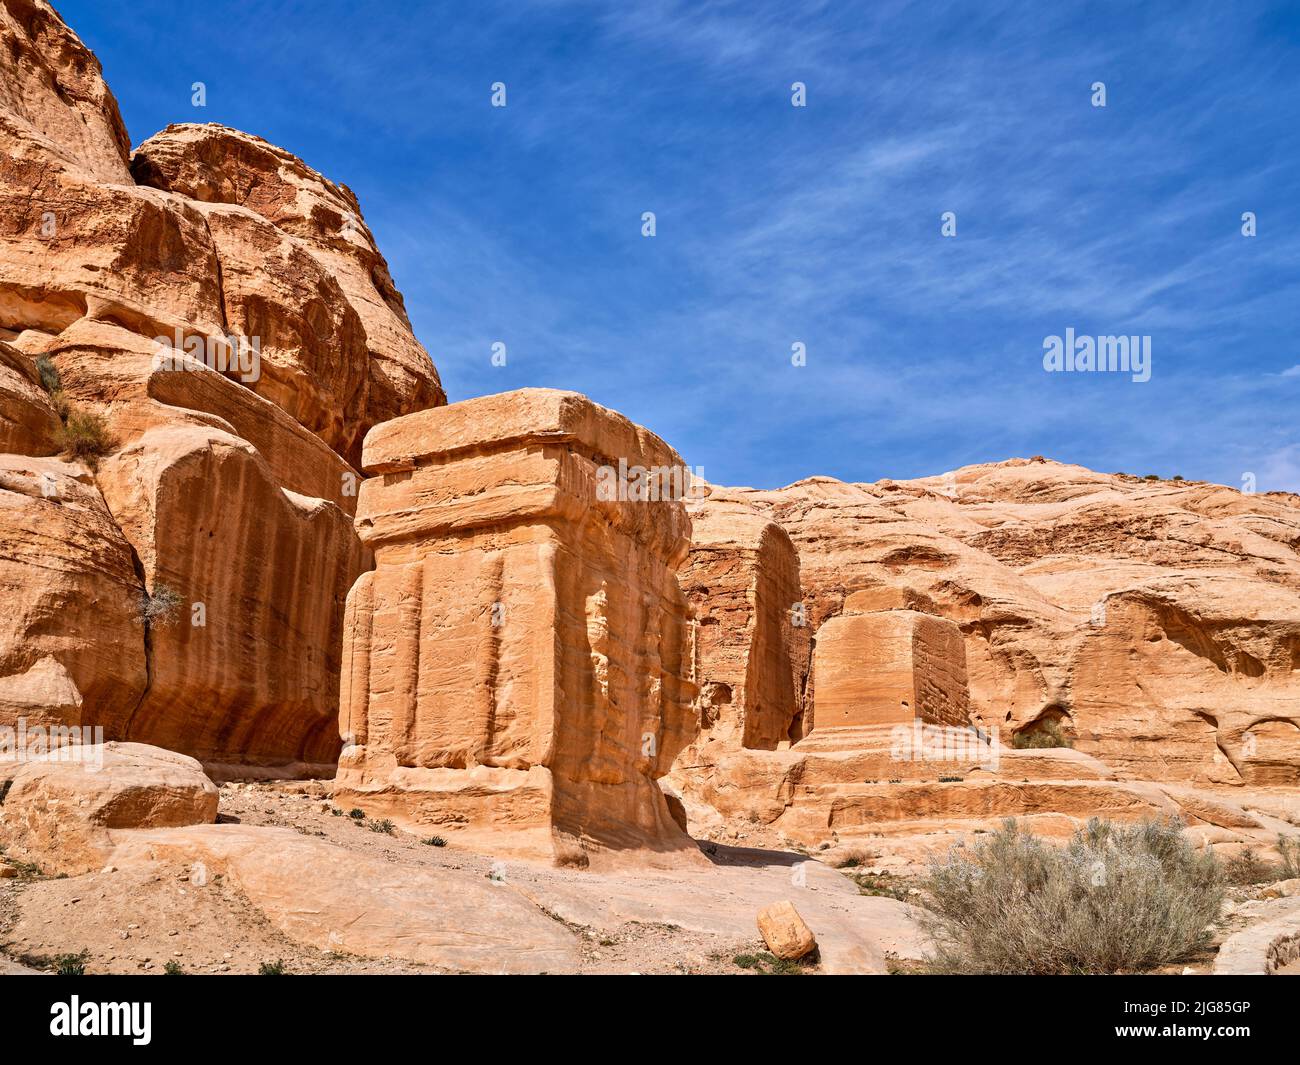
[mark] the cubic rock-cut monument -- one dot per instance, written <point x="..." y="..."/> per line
<point x="883" y="663"/>
<point x="516" y="666"/>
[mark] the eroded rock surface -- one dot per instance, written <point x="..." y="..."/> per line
<point x="516" y="664"/>
<point x="1152" y="624"/>
<point x="59" y="809"/>
<point x="183" y="583"/>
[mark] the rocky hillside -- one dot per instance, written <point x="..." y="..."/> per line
<point x="1156" y="622"/>
<point x="176" y="518"/>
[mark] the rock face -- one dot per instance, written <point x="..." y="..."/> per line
<point x="28" y="423"/>
<point x="294" y="214"/>
<point x="325" y="897"/>
<point x="185" y="583"/>
<point x="1152" y="623"/>
<point x="515" y="666"/>
<point x="742" y="581"/>
<point x="889" y="667"/>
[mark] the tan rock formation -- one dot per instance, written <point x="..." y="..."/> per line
<point x="1153" y="623"/>
<point x="742" y="581"/>
<point x="784" y="931"/>
<point x="218" y="165"/>
<point x="60" y="808"/>
<point x="1155" y="620"/>
<point x="53" y="91"/>
<point x="249" y="579"/>
<point x="515" y="666"/>
<point x="28" y="424"/>
<point x="224" y="494"/>
<point x="325" y="897"/>
<point x="71" y="648"/>
<point x="889" y="667"/>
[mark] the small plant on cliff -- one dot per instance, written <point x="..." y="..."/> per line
<point x="158" y="608"/>
<point x="434" y="841"/>
<point x="49" y="373"/>
<point x="173" y="968"/>
<point x="357" y="815"/>
<point x="1116" y="898"/>
<point x="272" y="968"/>
<point x="385" y="826"/>
<point x="84" y="435"/>
<point x="1041" y="735"/>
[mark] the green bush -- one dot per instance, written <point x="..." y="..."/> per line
<point x="70" y="964"/>
<point x="173" y="968"/>
<point x="766" y="964"/>
<point x="1115" y="898"/>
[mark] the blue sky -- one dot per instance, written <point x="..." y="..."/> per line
<point x="818" y="225"/>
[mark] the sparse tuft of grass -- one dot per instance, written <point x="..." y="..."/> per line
<point x="173" y="968"/>
<point x="882" y="885"/>
<point x="766" y="964"/>
<point x="385" y="826"/>
<point x="1289" y="848"/>
<point x="357" y="815"/>
<point x="1115" y="898"/>
<point x="1248" y="868"/>
<point x="434" y="841"/>
<point x="855" y="857"/>
<point x="272" y="968"/>
<point x="71" y="964"/>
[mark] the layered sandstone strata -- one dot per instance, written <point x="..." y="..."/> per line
<point x="184" y="584"/>
<point x="1154" y="623"/>
<point x="751" y="645"/>
<point x="516" y="666"/>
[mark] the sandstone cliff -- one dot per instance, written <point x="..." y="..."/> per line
<point x="179" y="577"/>
<point x="1156" y="624"/>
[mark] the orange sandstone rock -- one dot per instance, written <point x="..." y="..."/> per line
<point x="515" y="668"/>
<point x="784" y="931"/>
<point x="225" y="495"/>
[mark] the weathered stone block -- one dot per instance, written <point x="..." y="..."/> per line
<point x="887" y="668"/>
<point x="742" y="580"/>
<point x="515" y="668"/>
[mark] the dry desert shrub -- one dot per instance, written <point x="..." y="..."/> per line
<point x="1289" y="848"/>
<point x="85" y="435"/>
<point x="1115" y="898"/>
<point x="1041" y="735"/>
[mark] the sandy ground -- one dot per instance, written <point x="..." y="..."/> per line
<point x="137" y="921"/>
<point x="152" y="918"/>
